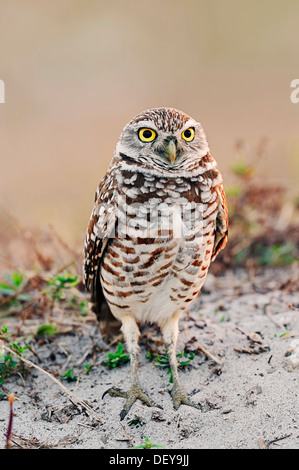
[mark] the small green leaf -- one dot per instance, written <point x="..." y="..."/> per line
<point x="284" y="334"/>
<point x="6" y="290"/>
<point x="46" y="330"/>
<point x="120" y="349"/>
<point x="17" y="278"/>
<point x="88" y="368"/>
<point x="69" y="376"/>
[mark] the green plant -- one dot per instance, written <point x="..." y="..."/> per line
<point x="137" y="421"/>
<point x="276" y="254"/>
<point x="147" y="445"/>
<point x="79" y="304"/>
<point x="58" y="284"/>
<point x="162" y="360"/>
<point x="69" y="376"/>
<point x="59" y="288"/>
<point x="116" y="359"/>
<point x="12" y="289"/>
<point x="46" y="330"/>
<point x="8" y="365"/>
<point x="87" y="368"/>
<point x="3" y="332"/>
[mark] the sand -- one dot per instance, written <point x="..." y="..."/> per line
<point x="247" y="389"/>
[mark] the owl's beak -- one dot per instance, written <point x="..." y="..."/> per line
<point x="170" y="151"/>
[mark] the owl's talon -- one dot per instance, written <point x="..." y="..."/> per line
<point x="115" y="392"/>
<point x="123" y="414"/>
<point x="180" y="398"/>
<point x="133" y="394"/>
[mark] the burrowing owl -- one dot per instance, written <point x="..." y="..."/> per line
<point x="159" y="219"/>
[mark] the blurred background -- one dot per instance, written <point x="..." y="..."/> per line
<point x="76" y="71"/>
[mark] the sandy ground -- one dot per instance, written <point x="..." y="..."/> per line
<point x="250" y="401"/>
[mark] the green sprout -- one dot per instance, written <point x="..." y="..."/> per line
<point x="147" y="445"/>
<point x="69" y="376"/>
<point x="87" y="368"/>
<point x="137" y="421"/>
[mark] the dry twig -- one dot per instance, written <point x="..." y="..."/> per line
<point x="267" y="310"/>
<point x="210" y="355"/>
<point x="74" y="399"/>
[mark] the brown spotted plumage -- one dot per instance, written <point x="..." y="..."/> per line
<point x="159" y="219"/>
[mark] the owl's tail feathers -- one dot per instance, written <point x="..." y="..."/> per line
<point x="109" y="325"/>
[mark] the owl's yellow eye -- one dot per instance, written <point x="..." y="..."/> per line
<point x="147" y="135"/>
<point x="188" y="134"/>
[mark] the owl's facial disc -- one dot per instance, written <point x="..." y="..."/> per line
<point x="163" y="138"/>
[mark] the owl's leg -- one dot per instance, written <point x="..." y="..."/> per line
<point x="131" y="335"/>
<point x="170" y="331"/>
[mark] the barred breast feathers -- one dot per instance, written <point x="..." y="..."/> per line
<point x="204" y="177"/>
<point x="201" y="183"/>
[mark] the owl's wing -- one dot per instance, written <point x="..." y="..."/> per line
<point x="101" y="227"/>
<point x="221" y="228"/>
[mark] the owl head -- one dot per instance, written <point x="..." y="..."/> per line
<point x="164" y="138"/>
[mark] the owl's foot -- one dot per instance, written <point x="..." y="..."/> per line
<point x="180" y="398"/>
<point x="135" y="392"/>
